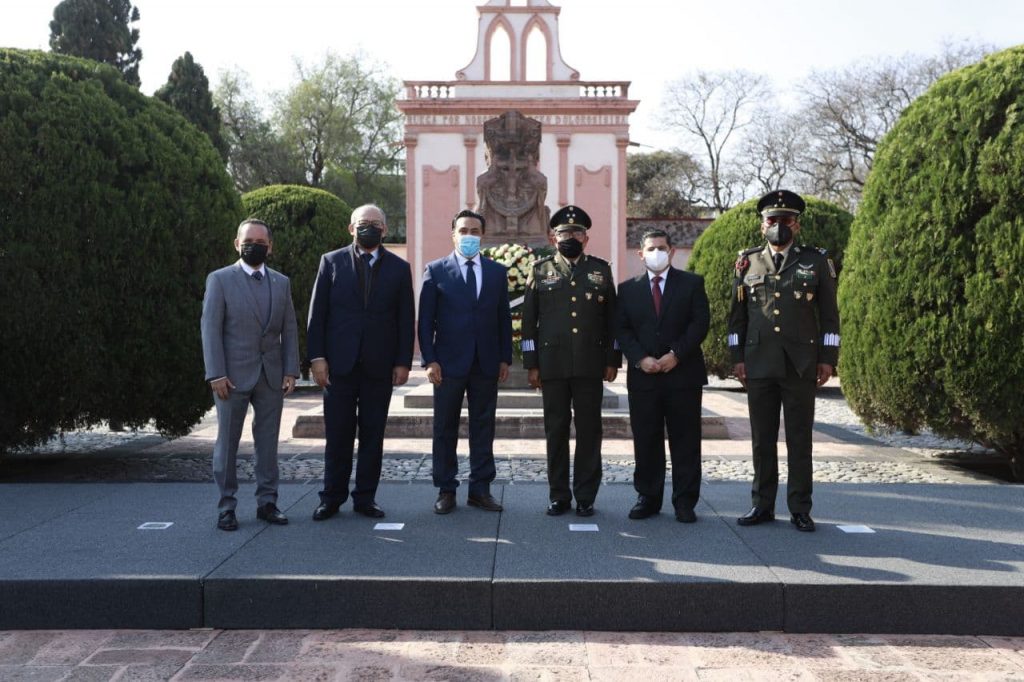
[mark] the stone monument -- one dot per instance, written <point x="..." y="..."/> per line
<point x="512" y="191"/>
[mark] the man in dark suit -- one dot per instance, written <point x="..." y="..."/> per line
<point x="251" y="353"/>
<point x="784" y="341"/>
<point x="568" y="349"/>
<point x="662" y="317"/>
<point x="465" y="334"/>
<point x="360" y="339"/>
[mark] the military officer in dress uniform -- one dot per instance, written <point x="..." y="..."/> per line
<point x="784" y="340"/>
<point x="568" y="349"/>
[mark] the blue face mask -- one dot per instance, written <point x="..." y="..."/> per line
<point x="469" y="245"/>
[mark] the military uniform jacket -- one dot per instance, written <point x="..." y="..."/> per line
<point x="569" y="318"/>
<point x="790" y="313"/>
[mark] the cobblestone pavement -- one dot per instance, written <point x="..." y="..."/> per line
<point x="490" y="656"/>
<point x="845" y="450"/>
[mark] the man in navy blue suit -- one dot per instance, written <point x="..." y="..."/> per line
<point x="465" y="334"/>
<point x="661" y="320"/>
<point x="360" y="339"/>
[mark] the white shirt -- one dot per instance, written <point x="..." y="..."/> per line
<point x="374" y="255"/>
<point x="476" y="268"/>
<point x="249" y="270"/>
<point x="661" y="285"/>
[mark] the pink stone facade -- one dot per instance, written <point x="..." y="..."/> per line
<point x="585" y="132"/>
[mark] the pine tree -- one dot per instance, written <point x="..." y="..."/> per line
<point x="99" y="30"/>
<point x="188" y="90"/>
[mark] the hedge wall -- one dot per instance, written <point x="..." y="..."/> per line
<point x="113" y="209"/>
<point x="933" y="294"/>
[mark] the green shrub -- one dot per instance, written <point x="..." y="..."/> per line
<point x="823" y="225"/>
<point x="933" y="295"/>
<point x="307" y="223"/>
<point x="113" y="208"/>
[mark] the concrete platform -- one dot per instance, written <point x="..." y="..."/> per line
<point x="942" y="559"/>
<point x="422" y="398"/>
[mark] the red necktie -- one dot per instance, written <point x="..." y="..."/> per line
<point x="656" y="293"/>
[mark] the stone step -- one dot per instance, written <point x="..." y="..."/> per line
<point x="422" y="398"/>
<point x="509" y="423"/>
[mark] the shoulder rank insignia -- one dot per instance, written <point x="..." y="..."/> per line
<point x="831" y="267"/>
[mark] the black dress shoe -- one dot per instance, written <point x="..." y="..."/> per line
<point x="445" y="502"/>
<point x="558" y="507"/>
<point x="271" y="514"/>
<point x="324" y="511"/>
<point x="226" y="520"/>
<point x="755" y="516"/>
<point x="485" y="502"/>
<point x="643" y="508"/>
<point x="686" y="515"/>
<point x="803" y="522"/>
<point x="584" y="509"/>
<point x="372" y="510"/>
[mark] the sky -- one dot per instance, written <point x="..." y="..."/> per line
<point x="647" y="42"/>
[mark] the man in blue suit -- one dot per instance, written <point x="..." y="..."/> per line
<point x="360" y="339"/>
<point x="465" y="334"/>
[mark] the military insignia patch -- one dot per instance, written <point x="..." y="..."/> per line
<point x="810" y="295"/>
<point x="552" y="279"/>
<point x="590" y="295"/>
<point x="831" y="267"/>
<point x="751" y="280"/>
<point x="595" y="277"/>
<point x="798" y="295"/>
<point x="600" y="299"/>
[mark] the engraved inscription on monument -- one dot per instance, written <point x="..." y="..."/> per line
<point x="512" y="191"/>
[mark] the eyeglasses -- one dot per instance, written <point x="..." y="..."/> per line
<point x="370" y="223"/>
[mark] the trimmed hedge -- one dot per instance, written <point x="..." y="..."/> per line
<point x="823" y="225"/>
<point x="113" y="208"/>
<point x="307" y="223"/>
<point x="933" y="295"/>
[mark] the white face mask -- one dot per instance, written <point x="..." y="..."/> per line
<point x="656" y="260"/>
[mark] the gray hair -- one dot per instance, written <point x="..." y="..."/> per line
<point x="352" y="218"/>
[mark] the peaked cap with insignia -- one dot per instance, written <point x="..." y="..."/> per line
<point x="570" y="218"/>
<point x="781" y="202"/>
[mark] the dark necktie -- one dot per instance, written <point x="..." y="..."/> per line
<point x="471" y="277"/>
<point x="656" y="293"/>
<point x="367" y="272"/>
<point x="257" y="275"/>
<point x="778" y="261"/>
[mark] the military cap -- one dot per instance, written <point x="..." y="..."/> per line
<point x="780" y="202"/>
<point x="570" y="217"/>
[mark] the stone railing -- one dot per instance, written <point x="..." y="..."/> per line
<point x="448" y="89"/>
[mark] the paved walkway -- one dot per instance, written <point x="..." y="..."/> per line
<point x="485" y="656"/>
<point x="844" y="451"/>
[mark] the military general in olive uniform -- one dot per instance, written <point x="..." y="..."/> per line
<point x="569" y="349"/>
<point x="784" y="341"/>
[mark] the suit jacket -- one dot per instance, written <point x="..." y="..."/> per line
<point x="236" y="343"/>
<point x="681" y="328"/>
<point x="455" y="326"/>
<point x="790" y="313"/>
<point x="345" y="327"/>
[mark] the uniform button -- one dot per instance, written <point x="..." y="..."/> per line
<point x="778" y="277"/>
<point x="778" y="312"/>
<point x="574" y="313"/>
<point x="778" y="295"/>
<point x="573" y="299"/>
<point x="575" y="330"/>
<point x="778" y="329"/>
<point x="572" y="284"/>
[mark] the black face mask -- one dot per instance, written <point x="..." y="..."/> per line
<point x="254" y="255"/>
<point x="779" y="234"/>
<point x="368" y="237"/>
<point x="570" y="248"/>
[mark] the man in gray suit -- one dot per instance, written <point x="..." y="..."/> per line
<point x="251" y="352"/>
